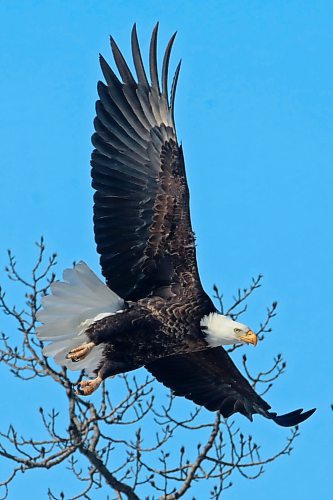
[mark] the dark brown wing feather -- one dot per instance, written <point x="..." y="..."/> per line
<point x="210" y="379"/>
<point x="141" y="211"/>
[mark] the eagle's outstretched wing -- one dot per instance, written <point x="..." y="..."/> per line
<point x="141" y="211"/>
<point x="210" y="379"/>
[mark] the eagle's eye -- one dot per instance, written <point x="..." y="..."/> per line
<point x="237" y="330"/>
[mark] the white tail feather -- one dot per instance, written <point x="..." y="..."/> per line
<point x="74" y="304"/>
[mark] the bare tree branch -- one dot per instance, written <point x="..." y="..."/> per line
<point x="125" y="444"/>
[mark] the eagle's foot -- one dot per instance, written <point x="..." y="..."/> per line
<point x="80" y="352"/>
<point x="87" y="387"/>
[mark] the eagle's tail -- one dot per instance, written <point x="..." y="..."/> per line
<point x="74" y="304"/>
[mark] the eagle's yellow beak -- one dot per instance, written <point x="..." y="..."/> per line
<point x="250" y="338"/>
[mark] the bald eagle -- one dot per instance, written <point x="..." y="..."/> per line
<point x="153" y="311"/>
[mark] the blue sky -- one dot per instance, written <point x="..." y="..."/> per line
<point x="254" y="111"/>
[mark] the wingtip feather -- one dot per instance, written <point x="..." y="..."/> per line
<point x="293" y="418"/>
<point x="121" y="63"/>
<point x="153" y="58"/>
<point x="137" y="58"/>
<point x="173" y="90"/>
<point x="165" y="66"/>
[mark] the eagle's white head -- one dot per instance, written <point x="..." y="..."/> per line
<point x="221" y="330"/>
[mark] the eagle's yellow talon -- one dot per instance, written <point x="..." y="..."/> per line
<point x="87" y="387"/>
<point x="80" y="352"/>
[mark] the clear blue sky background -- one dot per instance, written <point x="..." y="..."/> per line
<point x="254" y="111"/>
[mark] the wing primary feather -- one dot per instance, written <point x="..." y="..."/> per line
<point x="292" y="418"/>
<point x="153" y="60"/>
<point x="173" y="91"/>
<point x="123" y="69"/>
<point x="165" y="67"/>
<point x="137" y="59"/>
<point x="109" y="75"/>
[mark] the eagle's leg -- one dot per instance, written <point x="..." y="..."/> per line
<point x="80" y="352"/>
<point x="87" y="387"/>
<point x="109" y="368"/>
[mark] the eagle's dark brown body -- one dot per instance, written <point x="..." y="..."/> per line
<point x="168" y="326"/>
